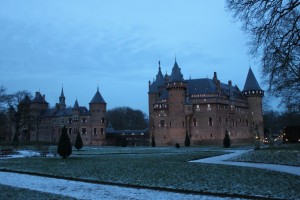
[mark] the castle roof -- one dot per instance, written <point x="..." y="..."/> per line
<point x="76" y="105"/>
<point x="26" y="100"/>
<point x="201" y="86"/>
<point x="176" y="74"/>
<point x="62" y="93"/>
<point x="55" y="112"/>
<point x="208" y="86"/>
<point x="39" y="98"/>
<point x="251" y="82"/>
<point x="97" y="98"/>
<point x="158" y="82"/>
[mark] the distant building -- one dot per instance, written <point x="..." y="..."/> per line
<point x="203" y="108"/>
<point x="132" y="137"/>
<point x="38" y="122"/>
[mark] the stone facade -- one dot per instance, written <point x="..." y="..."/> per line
<point x="203" y="108"/>
<point x="38" y="122"/>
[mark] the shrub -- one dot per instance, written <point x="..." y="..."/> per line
<point x="226" y="141"/>
<point x="124" y="142"/>
<point x="153" y="144"/>
<point x="15" y="141"/>
<point x="78" y="142"/>
<point x="177" y="145"/>
<point x="64" y="148"/>
<point x="187" y="141"/>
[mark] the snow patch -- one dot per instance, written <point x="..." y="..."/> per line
<point x="82" y="190"/>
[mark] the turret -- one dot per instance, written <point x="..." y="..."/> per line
<point x="254" y="94"/>
<point x="98" y="117"/>
<point x="62" y="100"/>
<point x="176" y="87"/>
<point x="98" y="108"/>
<point x="76" y="111"/>
<point x="156" y="89"/>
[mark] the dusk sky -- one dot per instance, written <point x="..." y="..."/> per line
<point x="116" y="45"/>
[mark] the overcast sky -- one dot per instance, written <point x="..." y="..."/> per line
<point x="116" y="45"/>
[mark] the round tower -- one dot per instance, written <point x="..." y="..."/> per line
<point x="254" y="94"/>
<point x="176" y="87"/>
<point x="98" y="118"/>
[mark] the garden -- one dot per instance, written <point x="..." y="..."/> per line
<point x="167" y="168"/>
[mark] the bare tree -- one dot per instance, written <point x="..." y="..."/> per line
<point x="4" y="99"/>
<point x="274" y="30"/>
<point x="124" y="118"/>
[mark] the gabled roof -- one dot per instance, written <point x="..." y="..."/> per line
<point x="97" y="98"/>
<point x="251" y="82"/>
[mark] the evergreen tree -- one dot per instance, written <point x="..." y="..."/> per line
<point x="64" y="148"/>
<point x="153" y="144"/>
<point x="124" y="141"/>
<point x="15" y="141"/>
<point x="226" y="141"/>
<point x="187" y="141"/>
<point x="78" y="142"/>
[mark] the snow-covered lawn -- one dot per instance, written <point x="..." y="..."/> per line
<point x="162" y="168"/>
<point x="82" y="190"/>
<point x="227" y="160"/>
<point x="283" y="155"/>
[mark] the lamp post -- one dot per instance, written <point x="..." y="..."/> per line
<point x="257" y="139"/>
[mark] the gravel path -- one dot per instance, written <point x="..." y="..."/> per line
<point x="223" y="160"/>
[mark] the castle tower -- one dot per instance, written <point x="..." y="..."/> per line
<point x="98" y="118"/>
<point x="155" y="90"/>
<point x="62" y="100"/>
<point x="38" y="105"/>
<point x="76" y="112"/>
<point x="176" y="87"/>
<point x="254" y="95"/>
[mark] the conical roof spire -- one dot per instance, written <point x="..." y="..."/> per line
<point x="76" y="105"/>
<point x="97" y="98"/>
<point x="176" y="74"/>
<point x="62" y="92"/>
<point x="251" y="82"/>
<point x="251" y="85"/>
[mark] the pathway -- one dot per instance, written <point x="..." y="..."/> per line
<point x="223" y="159"/>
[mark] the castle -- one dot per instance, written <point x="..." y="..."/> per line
<point x="203" y="109"/>
<point x="38" y="122"/>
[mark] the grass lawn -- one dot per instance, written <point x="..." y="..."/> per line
<point x="12" y="193"/>
<point x="286" y="154"/>
<point x="164" y="168"/>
